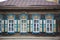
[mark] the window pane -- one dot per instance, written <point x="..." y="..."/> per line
<point x="47" y="27"/>
<point x="50" y="27"/>
<point x="23" y="27"/>
<point x="34" y="27"/>
<point x="37" y="27"/>
<point x="11" y="27"/>
<point x="10" y="21"/>
<point x="0" y="21"/>
<point x="48" y="21"/>
<point x="0" y="27"/>
<point x="23" y="21"/>
<point x="35" y="21"/>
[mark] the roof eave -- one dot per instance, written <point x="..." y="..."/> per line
<point x="32" y="7"/>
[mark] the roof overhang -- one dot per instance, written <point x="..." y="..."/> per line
<point x="32" y="7"/>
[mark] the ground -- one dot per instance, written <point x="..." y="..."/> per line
<point x="28" y="37"/>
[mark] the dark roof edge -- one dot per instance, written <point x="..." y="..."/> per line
<point x="32" y="7"/>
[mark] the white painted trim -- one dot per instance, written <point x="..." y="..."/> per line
<point x="54" y="21"/>
<point x="23" y="30"/>
<point x="36" y="26"/>
<point x="8" y="25"/>
<point x="49" y="26"/>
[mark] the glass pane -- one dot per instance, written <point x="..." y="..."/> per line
<point x="34" y="27"/>
<point x="48" y="21"/>
<point x="0" y="27"/>
<point x="47" y="27"/>
<point x="35" y="21"/>
<point x="23" y="27"/>
<point x="0" y="21"/>
<point x="11" y="25"/>
<point x="10" y="21"/>
<point x="23" y="21"/>
<point x="37" y="27"/>
<point x="50" y="27"/>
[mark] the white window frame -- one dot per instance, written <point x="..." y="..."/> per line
<point x="36" y="26"/>
<point x="9" y="23"/>
<point x="49" y="26"/>
<point x="22" y="26"/>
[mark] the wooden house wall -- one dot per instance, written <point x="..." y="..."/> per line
<point x="55" y="13"/>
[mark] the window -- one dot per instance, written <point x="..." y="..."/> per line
<point x="49" y="25"/>
<point x="23" y="24"/>
<point x="36" y="24"/>
<point x="10" y="25"/>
